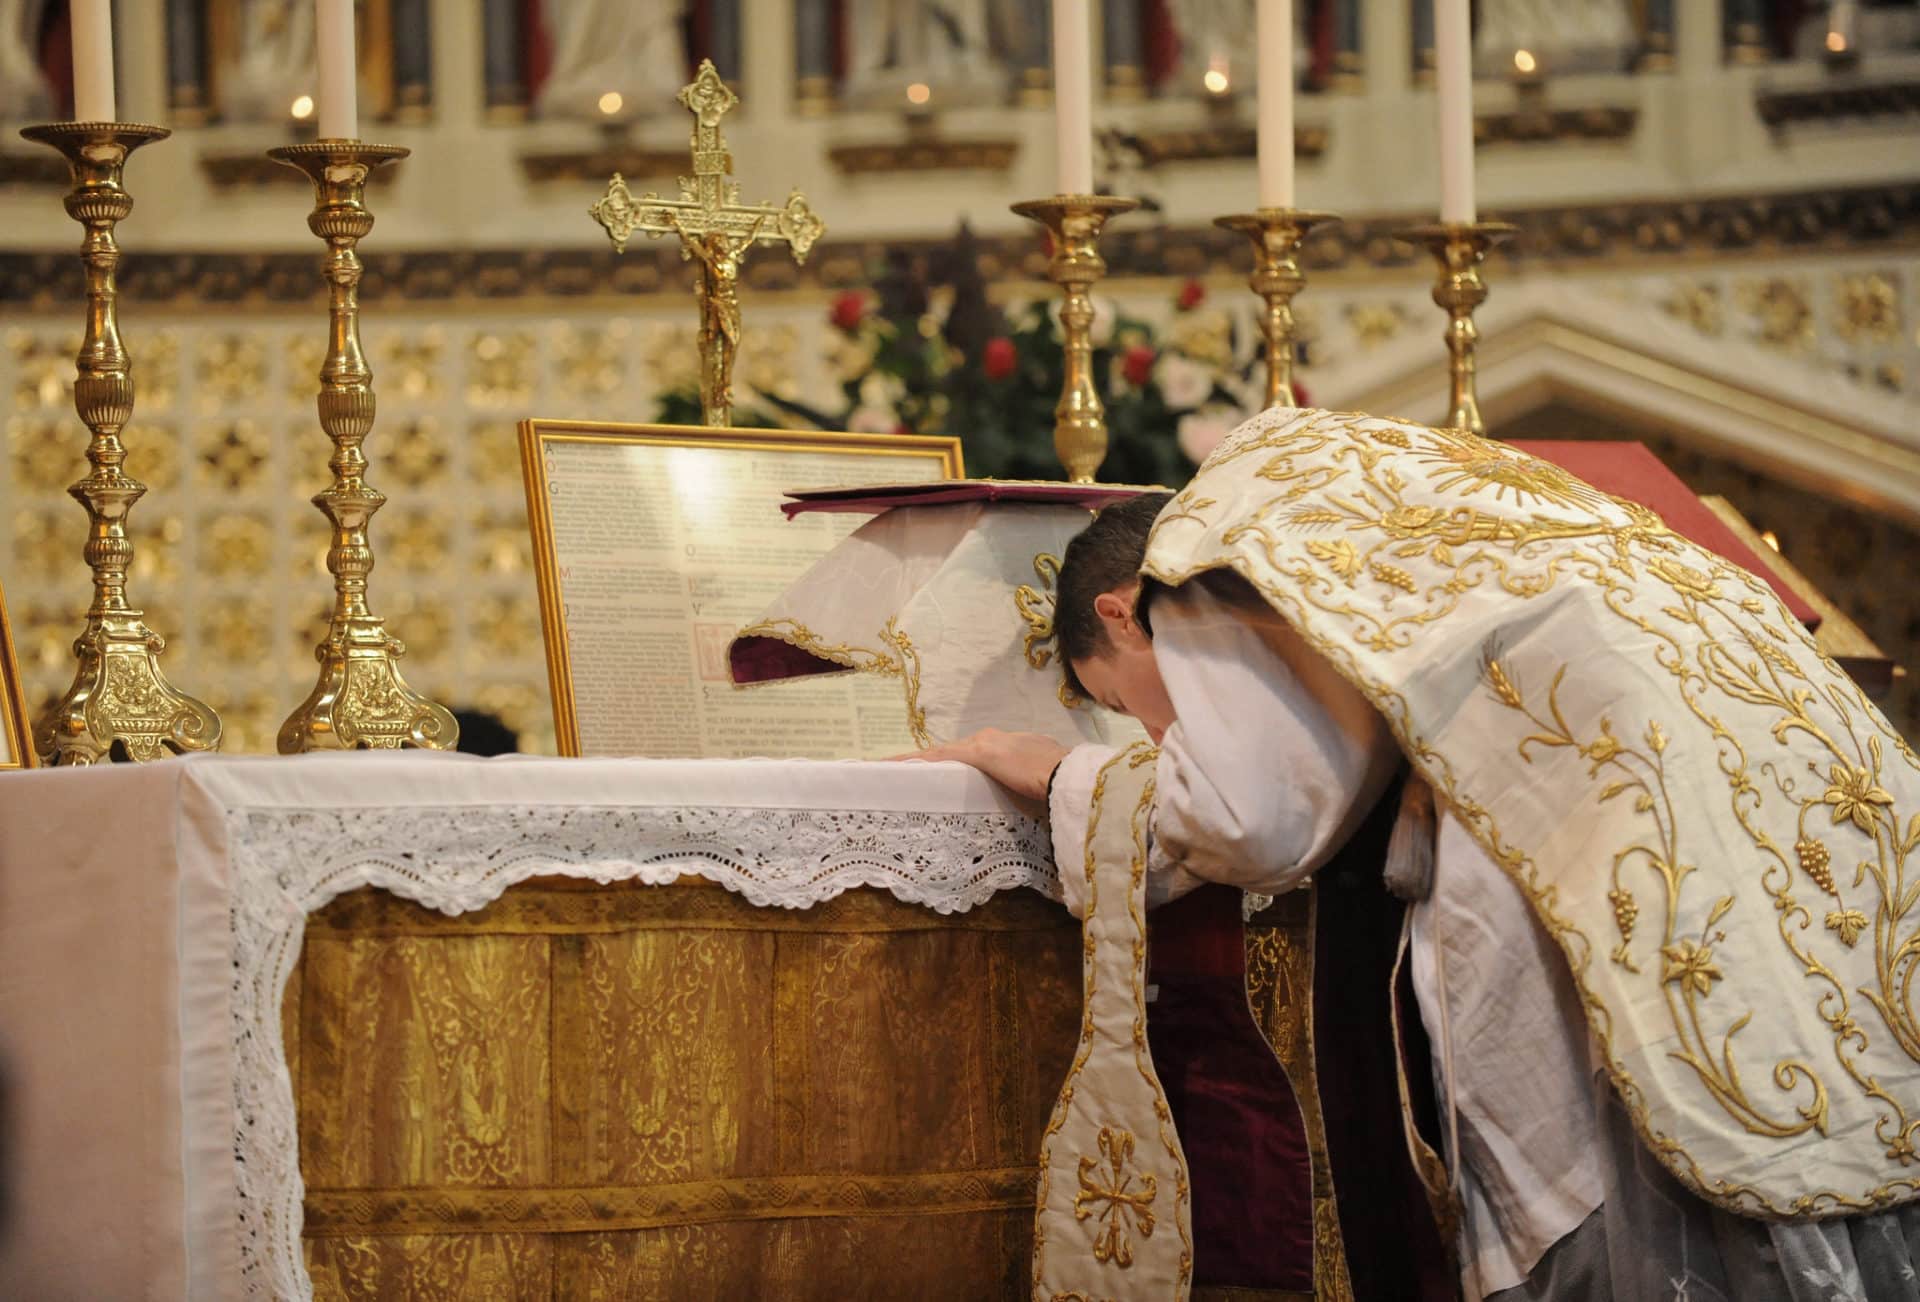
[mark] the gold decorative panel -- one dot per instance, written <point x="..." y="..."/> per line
<point x="630" y="1091"/>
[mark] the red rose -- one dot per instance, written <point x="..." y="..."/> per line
<point x="1192" y="294"/>
<point x="1137" y="365"/>
<point x="998" y="359"/>
<point x="1300" y="395"/>
<point x="849" y="309"/>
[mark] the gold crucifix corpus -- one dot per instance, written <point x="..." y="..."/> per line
<point x="715" y="228"/>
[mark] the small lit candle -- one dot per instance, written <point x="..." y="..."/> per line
<point x="1843" y="16"/>
<point x="92" y="22"/>
<point x="339" y="93"/>
<point x="1073" y="94"/>
<point x="1275" y="33"/>
<point x="1453" y="80"/>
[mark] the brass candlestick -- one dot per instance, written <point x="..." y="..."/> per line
<point x="1075" y="222"/>
<point x="361" y="699"/>
<point x="120" y="701"/>
<point x="1276" y="234"/>
<point x="1459" y="247"/>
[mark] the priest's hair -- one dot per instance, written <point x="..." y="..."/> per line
<point x="1103" y="557"/>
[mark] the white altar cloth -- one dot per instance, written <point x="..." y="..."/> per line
<point x="149" y="916"/>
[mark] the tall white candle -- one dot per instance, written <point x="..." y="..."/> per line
<point x="1073" y="94"/>
<point x="339" y="109"/>
<point x="1453" y="79"/>
<point x="92" y="61"/>
<point x="1275" y="73"/>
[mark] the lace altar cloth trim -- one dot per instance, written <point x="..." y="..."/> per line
<point x="288" y="863"/>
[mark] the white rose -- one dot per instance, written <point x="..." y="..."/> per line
<point x="880" y="389"/>
<point x="1183" y="382"/>
<point x="873" y="418"/>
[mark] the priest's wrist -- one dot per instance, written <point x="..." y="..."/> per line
<point x="1051" y="775"/>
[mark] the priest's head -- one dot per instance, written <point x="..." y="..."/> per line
<point x="1105" y="644"/>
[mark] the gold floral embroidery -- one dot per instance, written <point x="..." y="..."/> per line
<point x="1690" y="966"/>
<point x="1328" y="497"/>
<point x="1854" y="796"/>
<point x="1108" y="1192"/>
<point x="1849" y="923"/>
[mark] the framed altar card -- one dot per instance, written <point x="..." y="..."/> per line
<point x="16" y="739"/>
<point x="654" y="544"/>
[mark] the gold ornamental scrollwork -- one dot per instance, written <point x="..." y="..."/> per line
<point x="1108" y="1194"/>
<point x="901" y="660"/>
<point x="1035" y="605"/>
<point x="1036" y="608"/>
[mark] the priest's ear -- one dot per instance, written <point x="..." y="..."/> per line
<point x="1115" y="609"/>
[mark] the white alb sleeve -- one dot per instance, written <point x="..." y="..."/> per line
<point x="1273" y="760"/>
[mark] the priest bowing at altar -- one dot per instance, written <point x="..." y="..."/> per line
<point x="1655" y="854"/>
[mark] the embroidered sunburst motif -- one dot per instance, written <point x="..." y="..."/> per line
<point x="1469" y="464"/>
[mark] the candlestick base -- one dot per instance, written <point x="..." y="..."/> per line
<point x="1075" y="222"/>
<point x="1459" y="248"/>
<point x="1277" y="234"/>
<point x="360" y="700"/>
<point x="120" y="704"/>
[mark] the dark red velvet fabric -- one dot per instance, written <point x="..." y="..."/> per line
<point x="768" y="659"/>
<point x="1239" y="1123"/>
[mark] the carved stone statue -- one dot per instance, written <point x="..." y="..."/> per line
<point x="948" y="45"/>
<point x="269" y="60"/>
<point x="24" y="93"/>
<point x="1219" y="36"/>
<point x="632" y="48"/>
<point x="1566" y="35"/>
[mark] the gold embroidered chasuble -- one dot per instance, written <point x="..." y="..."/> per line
<point x="1713" y="821"/>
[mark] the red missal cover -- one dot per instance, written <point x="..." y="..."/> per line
<point x="1630" y="470"/>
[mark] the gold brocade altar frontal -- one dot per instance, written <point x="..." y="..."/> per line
<point x="629" y="1091"/>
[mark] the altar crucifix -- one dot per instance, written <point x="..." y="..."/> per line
<point x="715" y="228"/>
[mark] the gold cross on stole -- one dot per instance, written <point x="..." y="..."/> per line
<point x="714" y="227"/>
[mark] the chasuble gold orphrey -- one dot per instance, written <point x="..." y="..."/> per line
<point x="1717" y="826"/>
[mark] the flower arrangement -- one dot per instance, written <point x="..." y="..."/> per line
<point x="992" y="377"/>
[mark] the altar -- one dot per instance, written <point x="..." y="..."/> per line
<point x="345" y="1025"/>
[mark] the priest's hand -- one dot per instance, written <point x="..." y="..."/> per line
<point x="1022" y="762"/>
